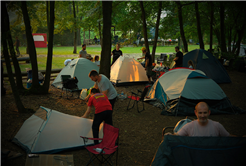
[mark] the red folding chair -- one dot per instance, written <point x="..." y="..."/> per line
<point x="106" y="148"/>
<point x="138" y="97"/>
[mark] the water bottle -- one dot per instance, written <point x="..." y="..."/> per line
<point x="122" y="93"/>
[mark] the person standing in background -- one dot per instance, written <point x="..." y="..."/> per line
<point x="179" y="57"/>
<point x="17" y="45"/>
<point x="116" y="53"/>
<point x="83" y="53"/>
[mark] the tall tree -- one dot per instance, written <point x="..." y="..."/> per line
<point x="222" y="28"/>
<point x="156" y="30"/>
<point x="199" y="31"/>
<point x="35" y="88"/>
<point x="181" y="26"/>
<point x="75" y="30"/>
<point x="146" y="42"/>
<point x="47" y="15"/>
<point x="106" y="44"/>
<point x="211" y="25"/>
<point x="50" y="47"/>
<point x="5" y="30"/>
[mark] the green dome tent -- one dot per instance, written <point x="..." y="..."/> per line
<point x="206" y="62"/>
<point x="181" y="89"/>
<point x="79" y="68"/>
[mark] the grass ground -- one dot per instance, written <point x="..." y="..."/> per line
<point x="96" y="49"/>
<point x="60" y="54"/>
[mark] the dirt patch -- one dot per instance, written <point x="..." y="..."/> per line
<point x="140" y="133"/>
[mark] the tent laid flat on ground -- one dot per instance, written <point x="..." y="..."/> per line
<point x="79" y="68"/>
<point x="206" y="62"/>
<point x="201" y="151"/>
<point x="49" y="131"/>
<point x="126" y="71"/>
<point x="181" y="89"/>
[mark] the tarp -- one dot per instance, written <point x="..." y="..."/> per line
<point x="40" y="40"/>
<point x="79" y="68"/>
<point x="181" y="89"/>
<point x="49" y="131"/>
<point x="206" y="62"/>
<point x="127" y="71"/>
<point x="200" y="151"/>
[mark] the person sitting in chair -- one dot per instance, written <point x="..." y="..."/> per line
<point x="202" y="127"/>
<point x="96" y="59"/>
<point x="103" y="111"/>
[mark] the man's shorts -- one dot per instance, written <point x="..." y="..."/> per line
<point x="148" y="71"/>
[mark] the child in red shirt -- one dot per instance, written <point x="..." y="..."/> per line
<point x="103" y="111"/>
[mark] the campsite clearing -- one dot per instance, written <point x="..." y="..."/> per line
<point x="140" y="133"/>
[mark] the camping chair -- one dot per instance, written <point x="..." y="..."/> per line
<point x="69" y="83"/>
<point x="177" y="127"/>
<point x="138" y="97"/>
<point x="106" y="148"/>
<point x="163" y="57"/>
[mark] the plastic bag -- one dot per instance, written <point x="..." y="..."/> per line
<point x="83" y="94"/>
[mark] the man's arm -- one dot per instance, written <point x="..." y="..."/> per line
<point x="146" y="63"/>
<point x="95" y="85"/>
<point x="172" y="134"/>
<point x="222" y="131"/>
<point x="141" y="58"/>
<point x="176" y="58"/>
<point x="87" y="112"/>
<point x="105" y="92"/>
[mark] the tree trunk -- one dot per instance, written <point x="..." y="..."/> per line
<point x="13" y="56"/>
<point x="100" y="32"/>
<point x="229" y="39"/>
<point x="222" y="28"/>
<point x="89" y="34"/>
<point x="211" y="26"/>
<point x="240" y="36"/>
<point x="217" y="34"/>
<point x="146" y="42"/>
<point x="48" y="19"/>
<point x="32" y="50"/>
<point x="84" y="36"/>
<point x="50" y="48"/>
<point x="156" y="31"/>
<point x="4" y="36"/>
<point x="181" y="26"/>
<point x="106" y="44"/>
<point x="78" y="31"/>
<point x="75" y="30"/>
<point x="199" y="31"/>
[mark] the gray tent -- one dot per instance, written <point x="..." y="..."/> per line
<point x="49" y="131"/>
<point x="200" y="151"/>
<point x="79" y="68"/>
<point x="206" y="62"/>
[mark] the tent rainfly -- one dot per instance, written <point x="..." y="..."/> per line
<point x="126" y="71"/>
<point x="49" y="131"/>
<point x="79" y="68"/>
<point x="181" y="89"/>
<point x="206" y="62"/>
